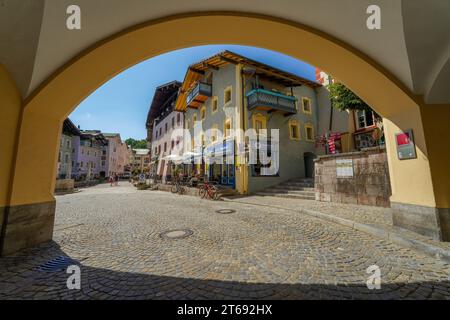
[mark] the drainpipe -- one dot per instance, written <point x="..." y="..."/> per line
<point x="330" y="79"/>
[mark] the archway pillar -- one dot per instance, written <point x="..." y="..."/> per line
<point x="420" y="187"/>
<point x="10" y="110"/>
<point x="31" y="210"/>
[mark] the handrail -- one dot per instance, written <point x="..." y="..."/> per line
<point x="271" y="93"/>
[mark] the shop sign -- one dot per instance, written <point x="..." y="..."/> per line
<point x="406" y="148"/>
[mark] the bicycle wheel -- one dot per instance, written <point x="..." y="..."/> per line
<point x="174" y="189"/>
<point x="202" y="192"/>
<point x="216" y="195"/>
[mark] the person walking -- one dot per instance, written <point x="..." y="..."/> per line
<point x="116" y="179"/>
<point x="111" y="180"/>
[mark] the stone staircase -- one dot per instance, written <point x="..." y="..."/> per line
<point x="301" y="188"/>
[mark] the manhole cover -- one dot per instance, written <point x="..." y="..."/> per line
<point x="225" y="211"/>
<point x="57" y="264"/>
<point x="176" y="234"/>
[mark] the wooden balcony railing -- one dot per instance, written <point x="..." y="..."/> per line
<point x="271" y="101"/>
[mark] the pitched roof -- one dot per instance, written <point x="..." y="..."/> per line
<point x="141" y="152"/>
<point x="70" y="128"/>
<point x="197" y="71"/>
<point x="164" y="94"/>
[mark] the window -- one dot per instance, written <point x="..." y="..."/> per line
<point x="364" y="119"/>
<point x="309" y="130"/>
<point x="178" y="119"/>
<point x="294" y="130"/>
<point x="68" y="144"/>
<point x="259" y="122"/>
<point x="214" y="132"/>
<point x="202" y="140"/>
<point x="227" y="128"/>
<point x="203" y="113"/>
<point x="172" y="144"/>
<point x="67" y="158"/>
<point x="165" y="146"/>
<point x="160" y="131"/>
<point x="173" y="122"/>
<point x="194" y="120"/>
<point x="306" y="103"/>
<point x="187" y="124"/>
<point x="167" y="128"/>
<point x="215" y="104"/>
<point x="227" y="96"/>
<point x="156" y="150"/>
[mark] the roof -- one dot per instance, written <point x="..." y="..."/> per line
<point x="141" y="152"/>
<point x="94" y="134"/>
<point x="70" y="128"/>
<point x="196" y="71"/>
<point x="111" y="135"/>
<point x="163" y="94"/>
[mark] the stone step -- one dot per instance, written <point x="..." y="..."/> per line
<point x="298" y="184"/>
<point x="286" y="187"/>
<point x="309" y="180"/>
<point x="286" y="195"/>
<point x="286" y="191"/>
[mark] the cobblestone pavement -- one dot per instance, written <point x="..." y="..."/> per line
<point x="372" y="216"/>
<point x="254" y="253"/>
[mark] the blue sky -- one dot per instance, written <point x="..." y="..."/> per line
<point x="121" y="105"/>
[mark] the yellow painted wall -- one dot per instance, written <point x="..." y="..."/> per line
<point x="410" y="179"/>
<point x="10" y="109"/>
<point x="436" y="121"/>
<point x="45" y="111"/>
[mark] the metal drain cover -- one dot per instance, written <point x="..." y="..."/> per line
<point x="176" y="234"/>
<point x="225" y="211"/>
<point x="57" y="264"/>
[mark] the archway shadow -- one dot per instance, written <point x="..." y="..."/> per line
<point x="21" y="278"/>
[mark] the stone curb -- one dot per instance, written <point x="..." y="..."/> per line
<point x="395" y="237"/>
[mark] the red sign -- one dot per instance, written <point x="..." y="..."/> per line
<point x="403" y="139"/>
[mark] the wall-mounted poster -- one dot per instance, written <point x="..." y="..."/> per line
<point x="406" y="148"/>
<point x="344" y="168"/>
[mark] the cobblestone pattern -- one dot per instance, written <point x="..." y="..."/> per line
<point x="372" y="216"/>
<point x="255" y="253"/>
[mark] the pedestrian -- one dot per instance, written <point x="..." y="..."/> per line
<point x="111" y="180"/>
<point x="116" y="179"/>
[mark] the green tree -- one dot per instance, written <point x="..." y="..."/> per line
<point x="136" y="144"/>
<point x="342" y="98"/>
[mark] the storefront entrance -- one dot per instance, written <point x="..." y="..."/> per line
<point x="221" y="161"/>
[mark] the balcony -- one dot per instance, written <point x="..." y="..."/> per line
<point x="261" y="99"/>
<point x="198" y="95"/>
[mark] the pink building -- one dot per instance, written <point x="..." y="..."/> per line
<point x="116" y="157"/>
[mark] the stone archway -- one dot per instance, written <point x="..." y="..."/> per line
<point x="30" y="214"/>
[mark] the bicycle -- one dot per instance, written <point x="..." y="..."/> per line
<point x="208" y="190"/>
<point x="178" y="188"/>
